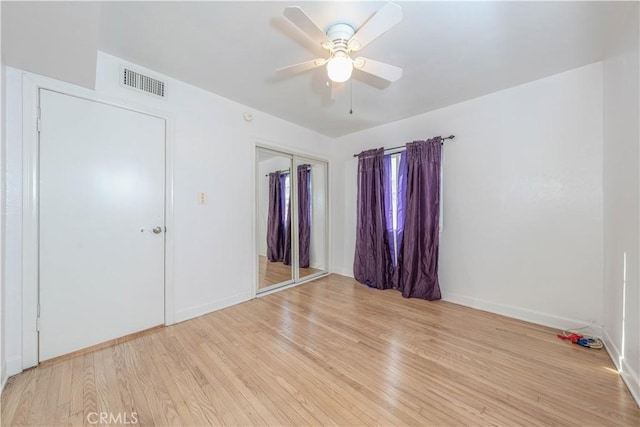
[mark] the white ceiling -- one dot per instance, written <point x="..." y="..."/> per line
<point x="450" y="51"/>
<point x="43" y="38"/>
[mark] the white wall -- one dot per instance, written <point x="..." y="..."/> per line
<point x="317" y="248"/>
<point x="214" y="264"/>
<point x="12" y="236"/>
<point x="621" y="297"/>
<point x="3" y="360"/>
<point x="522" y="198"/>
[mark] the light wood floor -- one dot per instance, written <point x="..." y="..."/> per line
<point x="332" y="352"/>
<point x="270" y="273"/>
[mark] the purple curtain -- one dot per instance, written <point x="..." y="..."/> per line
<point x="304" y="214"/>
<point x="418" y="257"/>
<point x="304" y="220"/>
<point x="275" y="241"/>
<point x="372" y="264"/>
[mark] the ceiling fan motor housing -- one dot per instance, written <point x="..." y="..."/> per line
<point x="340" y="34"/>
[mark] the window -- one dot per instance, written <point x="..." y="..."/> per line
<point x="395" y="230"/>
<point x="397" y="175"/>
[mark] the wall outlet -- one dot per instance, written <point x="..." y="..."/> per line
<point x="202" y="198"/>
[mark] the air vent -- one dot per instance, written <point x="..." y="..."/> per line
<point x="134" y="80"/>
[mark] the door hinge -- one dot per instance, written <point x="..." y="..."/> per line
<point x="38" y="120"/>
<point x="37" y="324"/>
<point x="38" y="125"/>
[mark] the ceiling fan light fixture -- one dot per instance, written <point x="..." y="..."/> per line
<point x="339" y="68"/>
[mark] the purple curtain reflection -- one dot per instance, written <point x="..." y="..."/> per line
<point x="418" y="257"/>
<point x="275" y="241"/>
<point x="372" y="263"/>
<point x="286" y="219"/>
<point x="304" y="214"/>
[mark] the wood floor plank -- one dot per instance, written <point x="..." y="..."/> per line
<point x="331" y="352"/>
<point x="89" y="397"/>
<point x="17" y="397"/>
<point x="76" y="401"/>
<point x="146" y="394"/>
<point x="159" y="359"/>
<point x="61" y="417"/>
<point x="37" y="414"/>
<point x="50" y="409"/>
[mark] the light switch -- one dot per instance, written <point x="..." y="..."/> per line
<point x="202" y="198"/>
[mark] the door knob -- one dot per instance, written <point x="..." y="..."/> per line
<point x="157" y="230"/>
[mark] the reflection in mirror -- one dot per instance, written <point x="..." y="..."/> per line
<point x="312" y="178"/>
<point x="274" y="219"/>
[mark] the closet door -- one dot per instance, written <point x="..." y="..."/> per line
<point x="274" y="222"/>
<point x="292" y="218"/>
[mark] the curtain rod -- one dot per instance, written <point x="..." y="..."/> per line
<point x="288" y="170"/>
<point x="403" y="146"/>
<point x="282" y="171"/>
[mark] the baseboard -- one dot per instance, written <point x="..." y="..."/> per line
<point x="10" y="368"/>
<point x="343" y="272"/>
<point x="4" y="376"/>
<point x="540" y="318"/>
<point x="612" y="349"/>
<point x="200" y="310"/>
<point x="630" y="378"/>
<point x="14" y="366"/>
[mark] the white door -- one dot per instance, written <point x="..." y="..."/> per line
<point x="102" y="172"/>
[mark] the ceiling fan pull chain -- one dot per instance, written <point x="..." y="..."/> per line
<point x="351" y="100"/>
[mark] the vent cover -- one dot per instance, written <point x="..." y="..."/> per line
<point x="134" y="80"/>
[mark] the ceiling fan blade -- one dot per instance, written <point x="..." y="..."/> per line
<point x="388" y="16"/>
<point x="378" y="69"/>
<point x="301" y="20"/>
<point x="301" y="67"/>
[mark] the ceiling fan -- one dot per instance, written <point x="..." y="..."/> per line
<point x="341" y="40"/>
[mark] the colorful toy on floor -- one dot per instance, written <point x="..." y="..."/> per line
<point x="584" y="341"/>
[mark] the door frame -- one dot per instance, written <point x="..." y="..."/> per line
<point x="31" y="85"/>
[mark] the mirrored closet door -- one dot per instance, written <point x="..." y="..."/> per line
<point x="312" y="217"/>
<point x="274" y="218"/>
<point x="291" y="200"/>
